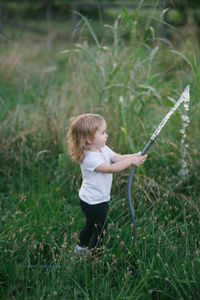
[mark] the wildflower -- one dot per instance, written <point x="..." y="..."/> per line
<point x="32" y="236"/>
<point x="25" y="238"/>
<point x="15" y="246"/>
<point x="121" y="99"/>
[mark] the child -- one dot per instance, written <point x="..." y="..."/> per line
<point x="86" y="141"/>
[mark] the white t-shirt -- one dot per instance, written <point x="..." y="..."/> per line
<point x="96" y="186"/>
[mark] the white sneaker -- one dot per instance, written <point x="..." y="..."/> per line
<point x="81" y="250"/>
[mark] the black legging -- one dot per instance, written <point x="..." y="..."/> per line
<point x="95" y="223"/>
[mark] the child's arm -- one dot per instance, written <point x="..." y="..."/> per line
<point x="132" y="159"/>
<point x="118" y="157"/>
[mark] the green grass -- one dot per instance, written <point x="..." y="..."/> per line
<point x="41" y="88"/>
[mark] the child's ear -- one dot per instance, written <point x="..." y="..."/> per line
<point x="89" y="140"/>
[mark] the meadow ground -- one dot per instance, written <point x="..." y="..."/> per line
<point x="132" y="77"/>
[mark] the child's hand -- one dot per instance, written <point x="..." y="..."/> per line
<point x="139" y="159"/>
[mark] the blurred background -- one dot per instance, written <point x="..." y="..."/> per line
<point x="58" y="19"/>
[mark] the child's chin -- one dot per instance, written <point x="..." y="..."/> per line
<point x="102" y="145"/>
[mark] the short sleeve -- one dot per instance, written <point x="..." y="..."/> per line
<point x="110" y="152"/>
<point x="91" y="162"/>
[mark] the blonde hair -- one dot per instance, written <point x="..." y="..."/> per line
<point x="81" y="128"/>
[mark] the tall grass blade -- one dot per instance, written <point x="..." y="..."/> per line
<point x="90" y="29"/>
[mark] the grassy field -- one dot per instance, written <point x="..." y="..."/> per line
<point x="131" y="77"/>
